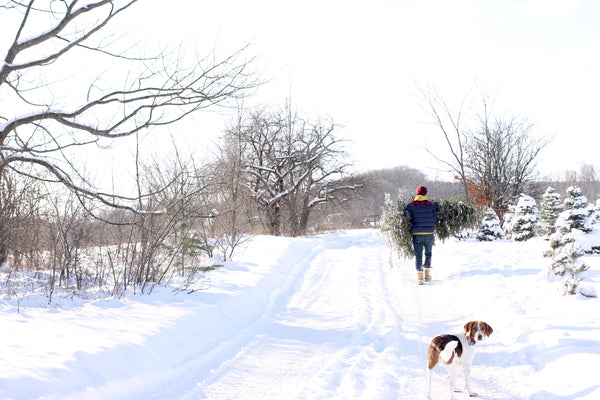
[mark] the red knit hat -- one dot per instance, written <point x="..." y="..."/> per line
<point x="421" y="191"/>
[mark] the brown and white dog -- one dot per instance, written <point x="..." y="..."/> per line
<point x="456" y="350"/>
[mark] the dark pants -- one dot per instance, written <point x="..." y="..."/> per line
<point x="420" y="243"/>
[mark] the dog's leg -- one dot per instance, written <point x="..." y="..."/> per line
<point x="466" y="373"/>
<point x="452" y="374"/>
<point x="429" y="382"/>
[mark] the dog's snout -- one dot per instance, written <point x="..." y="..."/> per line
<point x="480" y="336"/>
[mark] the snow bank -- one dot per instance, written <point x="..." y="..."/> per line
<point x="335" y="316"/>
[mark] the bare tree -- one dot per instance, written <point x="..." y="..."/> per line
<point x="494" y="160"/>
<point x="321" y="163"/>
<point x="264" y="169"/>
<point x="502" y="157"/>
<point x="290" y="166"/>
<point x="53" y="113"/>
<point x="21" y="202"/>
<point x="69" y="233"/>
<point x="450" y="124"/>
<point x="234" y="216"/>
<point x="589" y="180"/>
<point x="179" y="190"/>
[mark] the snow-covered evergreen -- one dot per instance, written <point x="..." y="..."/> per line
<point x="578" y="212"/>
<point x="550" y="208"/>
<point x="568" y="243"/>
<point x="522" y="225"/>
<point x="572" y="266"/>
<point x="489" y="229"/>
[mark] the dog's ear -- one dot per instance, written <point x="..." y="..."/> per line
<point x="469" y="326"/>
<point x="487" y="329"/>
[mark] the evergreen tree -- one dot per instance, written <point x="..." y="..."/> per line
<point x="522" y="225"/>
<point x="454" y="217"/>
<point x="578" y="212"/>
<point x="489" y="229"/>
<point x="550" y="208"/>
<point x="565" y="243"/>
<point x="394" y="222"/>
<point x="568" y="262"/>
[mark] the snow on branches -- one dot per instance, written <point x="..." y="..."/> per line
<point x="522" y="224"/>
<point x="490" y="229"/>
<point x="569" y="241"/>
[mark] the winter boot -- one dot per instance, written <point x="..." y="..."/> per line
<point x="420" y="278"/>
<point x="427" y="275"/>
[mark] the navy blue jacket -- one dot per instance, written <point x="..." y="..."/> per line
<point x="423" y="216"/>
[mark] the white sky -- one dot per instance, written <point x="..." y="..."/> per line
<point x="361" y="62"/>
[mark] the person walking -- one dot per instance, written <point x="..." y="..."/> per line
<point x="423" y="217"/>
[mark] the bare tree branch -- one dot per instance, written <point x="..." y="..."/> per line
<point x="496" y="159"/>
<point x="62" y="177"/>
<point x="42" y="125"/>
<point x="454" y="135"/>
<point x="291" y="165"/>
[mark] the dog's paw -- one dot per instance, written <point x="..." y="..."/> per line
<point x="472" y="394"/>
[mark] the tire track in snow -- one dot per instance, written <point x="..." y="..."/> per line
<point x="331" y="320"/>
<point x="207" y="361"/>
<point x="335" y="337"/>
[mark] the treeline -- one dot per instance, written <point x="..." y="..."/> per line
<point x="191" y="226"/>
<point x="404" y="180"/>
<point x="273" y="173"/>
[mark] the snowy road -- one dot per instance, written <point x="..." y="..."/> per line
<point x="324" y="317"/>
<point x="345" y="325"/>
<point x="333" y="334"/>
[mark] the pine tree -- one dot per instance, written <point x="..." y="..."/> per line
<point x="550" y="208"/>
<point x="453" y="217"/>
<point x="394" y="222"/>
<point x="578" y="212"/>
<point x="522" y="225"/>
<point x="489" y="229"/>
<point x="572" y="267"/>
<point x="565" y="247"/>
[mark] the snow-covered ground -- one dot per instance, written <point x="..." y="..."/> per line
<point x="323" y="317"/>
